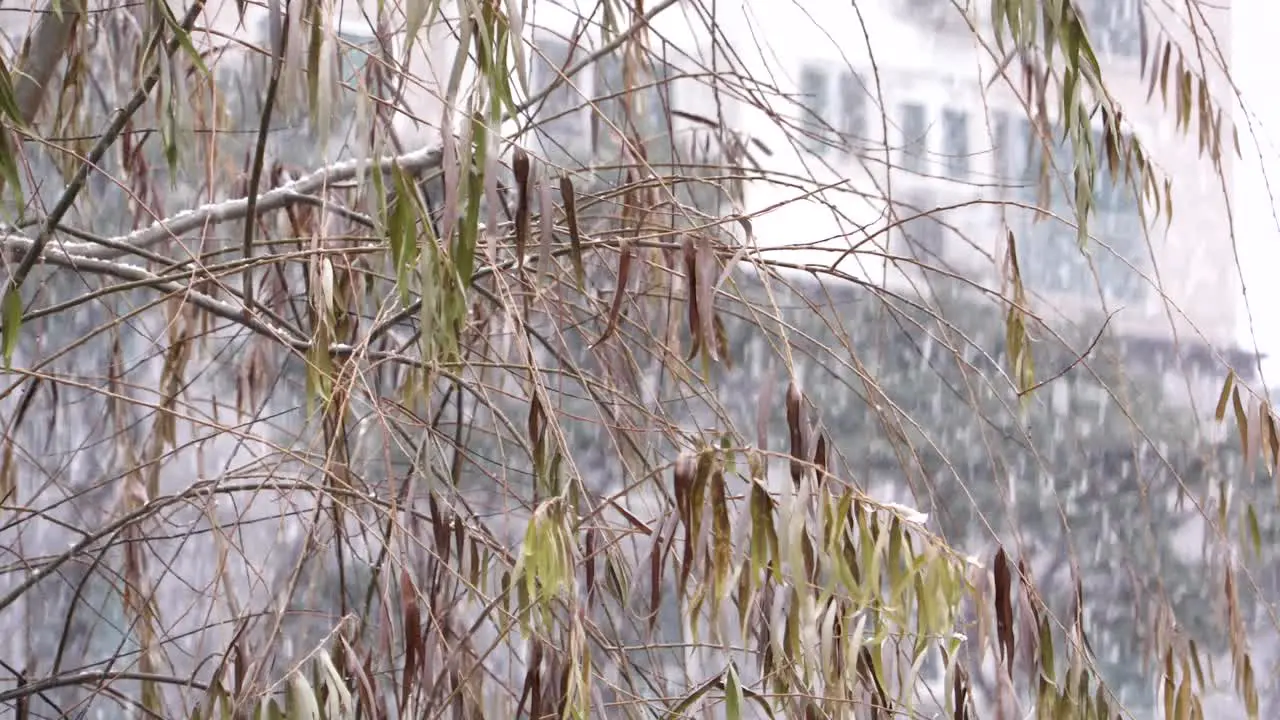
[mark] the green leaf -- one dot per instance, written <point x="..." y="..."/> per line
<point x="12" y="324"/>
<point x="732" y="694"/>
<point x="302" y="703"/>
<point x="9" y="166"/>
<point x="1221" y="412"/>
<point x="469" y="232"/>
<point x="8" y="101"/>
<point x="184" y="38"/>
<point x="1255" y="534"/>
<point x="401" y="230"/>
<point x="1242" y="422"/>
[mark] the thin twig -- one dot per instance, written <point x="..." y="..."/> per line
<point x="279" y="45"/>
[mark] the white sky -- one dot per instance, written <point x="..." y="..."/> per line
<point x="1255" y="64"/>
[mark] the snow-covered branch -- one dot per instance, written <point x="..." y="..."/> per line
<point x="210" y="214"/>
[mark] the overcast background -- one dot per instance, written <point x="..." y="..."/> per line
<point x="1256" y="60"/>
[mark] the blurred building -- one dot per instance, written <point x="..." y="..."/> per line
<point x="907" y="110"/>
<point x="914" y="125"/>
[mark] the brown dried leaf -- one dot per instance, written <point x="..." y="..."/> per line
<point x="691" y="283"/>
<point x="868" y="672"/>
<point x="1004" y="608"/>
<point x="820" y="457"/>
<point x="1272" y="435"/>
<point x="682" y="484"/>
<point x="655" y="579"/>
<point x="568" y="197"/>
<point x="532" y="682"/>
<point x="1242" y="422"/>
<point x="589" y="557"/>
<point x="615" y="308"/>
<point x="721" y="532"/>
<point x="413" y="640"/>
<point x="795" y="424"/>
<point x="439" y="529"/>
<point x="520" y="167"/>
<point x="722" y="342"/>
<point x="960" y="695"/>
<point x="547" y="230"/>
<point x="537" y="441"/>
<point x="705" y="290"/>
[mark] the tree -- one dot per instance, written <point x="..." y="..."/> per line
<point x="515" y="424"/>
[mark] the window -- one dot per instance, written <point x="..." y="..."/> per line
<point x="832" y="102"/>
<point x="1050" y="253"/>
<point x="815" y="101"/>
<point x="636" y="103"/>
<point x="1051" y="259"/>
<point x="853" y="109"/>
<point x="955" y="138"/>
<point x="1123" y="233"/>
<point x="1015" y="146"/>
<point x="1001" y="161"/>
<point x="1111" y="193"/>
<point x="560" y="110"/>
<point x="1115" y="26"/>
<point x="918" y="236"/>
<point x="354" y="50"/>
<point x="915" y="140"/>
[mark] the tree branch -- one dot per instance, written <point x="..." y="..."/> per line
<point x="229" y="210"/>
<point x="114" y="128"/>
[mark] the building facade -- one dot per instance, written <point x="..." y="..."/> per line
<point x="918" y="112"/>
<point x="909" y="122"/>
<point x="908" y="111"/>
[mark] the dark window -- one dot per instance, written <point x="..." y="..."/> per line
<point x="955" y="138"/>
<point x="354" y="50"/>
<point x="1052" y="260"/>
<point x="1015" y="150"/>
<point x="919" y="236"/>
<point x="853" y="109"/>
<point x="635" y="103"/>
<point x="1115" y="26"/>
<point x="915" y="141"/>
<point x="815" y="102"/>
<point x="559" y="112"/>
<point x="1000" y="160"/>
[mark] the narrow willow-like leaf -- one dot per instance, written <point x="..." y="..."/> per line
<point x="625" y="253"/>
<point x="12" y="323"/>
<point x="732" y="694"/>
<point x="469" y="231"/>
<point x="302" y="703"/>
<point x="402" y="230"/>
<point x="1225" y="396"/>
<point x="1242" y="421"/>
<point x="567" y="196"/>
